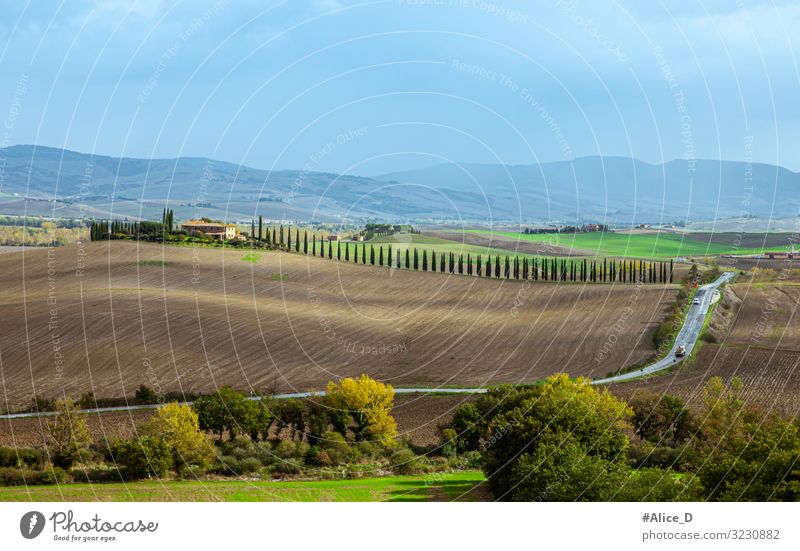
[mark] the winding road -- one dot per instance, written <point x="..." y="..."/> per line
<point x="687" y="336"/>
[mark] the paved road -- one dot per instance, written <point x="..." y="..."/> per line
<point x="687" y="336"/>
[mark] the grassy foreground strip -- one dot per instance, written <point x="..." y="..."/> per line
<point x="457" y="486"/>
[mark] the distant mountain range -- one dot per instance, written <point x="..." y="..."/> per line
<point x="616" y="190"/>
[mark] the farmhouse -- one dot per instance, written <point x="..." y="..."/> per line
<point x="217" y="230"/>
<point x="333" y="237"/>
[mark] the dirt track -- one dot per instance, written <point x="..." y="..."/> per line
<point x="209" y="318"/>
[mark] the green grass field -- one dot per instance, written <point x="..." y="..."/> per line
<point x="459" y="486"/>
<point x="646" y="245"/>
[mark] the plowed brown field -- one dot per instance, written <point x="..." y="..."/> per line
<point x="762" y="346"/>
<point x="110" y="317"/>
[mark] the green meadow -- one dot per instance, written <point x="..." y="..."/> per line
<point x="644" y="245"/>
<point x="457" y="486"/>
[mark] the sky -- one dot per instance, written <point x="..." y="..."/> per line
<point x="368" y="87"/>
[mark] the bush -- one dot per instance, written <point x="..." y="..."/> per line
<point x="144" y="456"/>
<point x="17" y="457"/>
<point x="448" y="440"/>
<point x="288" y="466"/>
<point x="405" y="461"/>
<point x="13" y="476"/>
<point x="145" y="395"/>
<point x="471" y="460"/>
<point x="336" y="447"/>
<point x="249" y="465"/>
<point x="709" y="337"/>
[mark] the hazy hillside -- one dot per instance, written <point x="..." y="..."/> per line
<point x="47" y="181"/>
<point x="622" y="189"/>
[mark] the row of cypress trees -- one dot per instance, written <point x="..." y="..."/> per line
<point x="531" y="268"/>
<point x="527" y="268"/>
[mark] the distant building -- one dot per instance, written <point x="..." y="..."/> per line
<point x="217" y="230"/>
<point x="333" y="237"/>
<point x="591" y="227"/>
<point x="358" y="237"/>
<point x="644" y="226"/>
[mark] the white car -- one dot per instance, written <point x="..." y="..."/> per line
<point x="696" y="301"/>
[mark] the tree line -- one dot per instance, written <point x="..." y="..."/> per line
<point x="290" y="239"/>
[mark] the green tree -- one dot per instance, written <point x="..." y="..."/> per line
<point x="587" y="425"/>
<point x="661" y="419"/>
<point x="69" y="434"/>
<point x="143" y="457"/>
<point x="145" y="395"/>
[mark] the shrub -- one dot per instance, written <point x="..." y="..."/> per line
<point x="249" y="465"/>
<point x="14" y="476"/>
<point x="336" y="447"/>
<point x="448" y="441"/>
<point x="145" y="395"/>
<point x="288" y="466"/>
<point x="144" y="456"/>
<point x="709" y="337"/>
<point x="405" y="461"/>
<point x="16" y="457"/>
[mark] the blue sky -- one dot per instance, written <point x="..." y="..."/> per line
<point x="367" y="87"/>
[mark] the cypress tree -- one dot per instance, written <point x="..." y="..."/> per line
<point x="408" y="260"/>
<point x="416" y="259"/>
<point x="260" y="226"/>
<point x="478" y="266"/>
<point x="441" y="263"/>
<point x="372" y="255"/>
<point x="670" y="270"/>
<point x="398" y="259"/>
<point x="314" y="245"/>
<point x="305" y="242"/>
<point x="433" y="260"/>
<point x="380" y="255"/>
<point x="469" y="264"/>
<point x="330" y="250"/>
<point x="424" y="260"/>
<point x="389" y="256"/>
<point x="338" y="250"/>
<point x="289" y="239"/>
<point x="347" y="252"/>
<point x="355" y="253"/>
<point x="297" y="241"/>
<point x="488" y="272"/>
<point x="506" y="269"/>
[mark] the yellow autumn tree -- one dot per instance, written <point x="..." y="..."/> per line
<point x="178" y="425"/>
<point x="369" y="403"/>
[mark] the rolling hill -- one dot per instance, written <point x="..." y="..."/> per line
<point x="56" y="182"/>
